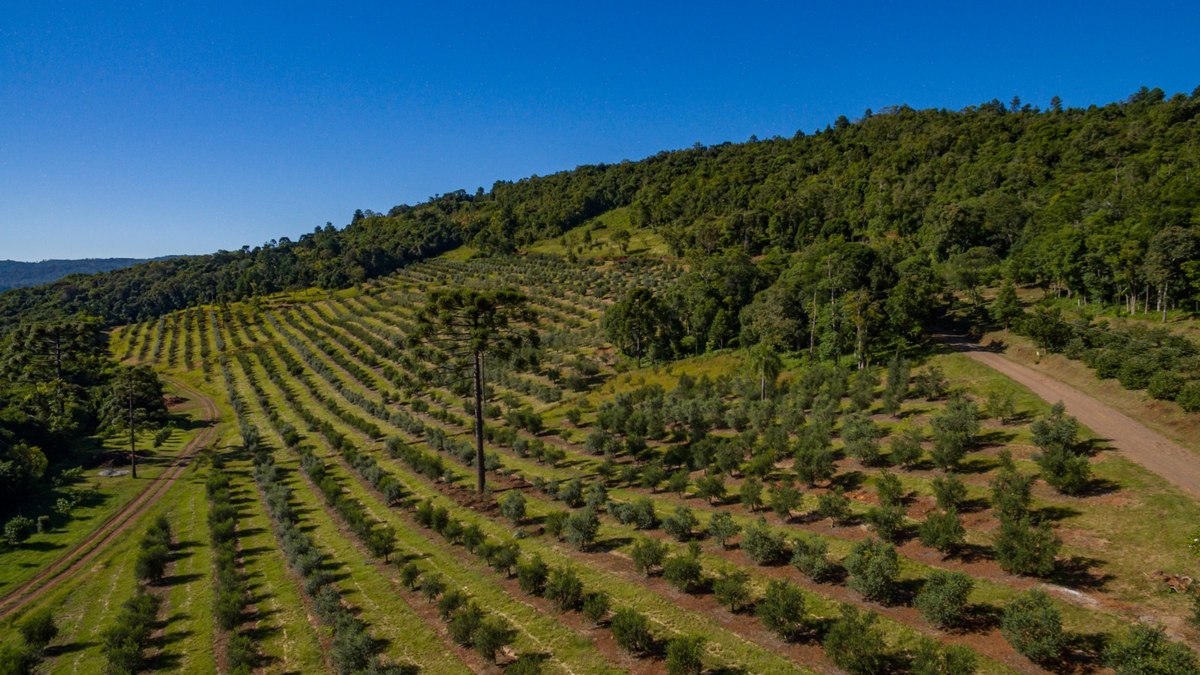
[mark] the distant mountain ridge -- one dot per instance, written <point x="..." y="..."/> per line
<point x="17" y="274"/>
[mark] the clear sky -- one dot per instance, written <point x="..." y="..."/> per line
<point x="153" y="128"/>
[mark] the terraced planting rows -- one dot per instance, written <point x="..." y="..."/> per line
<point x="638" y="519"/>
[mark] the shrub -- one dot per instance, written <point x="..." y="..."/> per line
<point x="782" y="610"/>
<point x="722" y="528"/>
<point x="1188" y="397"/>
<point x="685" y="655"/>
<point x="949" y="491"/>
<point x="813" y="464"/>
<point x="711" y="487"/>
<point x="854" y="643"/>
<point x="762" y="545"/>
<point x="873" y="566"/>
<point x="943" y="598"/>
<point x="432" y="586"/>
<point x="554" y="523"/>
<point x="1065" y="471"/>
<point x="954" y="430"/>
<point x="512" y="506"/>
<point x="564" y="589"/>
<point x="410" y="575"/>
<point x="1032" y="625"/>
<point x="1012" y="491"/>
<point x="834" y="505"/>
<point x="18" y="529"/>
<point x="631" y="630"/>
<point x="750" y="494"/>
<point x="1145" y="649"/>
<point x="450" y="602"/>
<point x="681" y="523"/>
<point x="644" y="517"/>
<point x="531" y="575"/>
<point x="684" y="571"/>
<point x="933" y="658"/>
<point x="491" y="635"/>
<point x="931" y="383"/>
<point x="906" y="448"/>
<point x="1165" y="385"/>
<point x="810" y="555"/>
<point x="18" y="659"/>
<point x="785" y="498"/>
<point x="38" y="629"/>
<point x="887" y="522"/>
<point x="942" y="530"/>
<point x="581" y="528"/>
<point x="1024" y="548"/>
<point x="647" y="554"/>
<point x="463" y="624"/>
<point x="732" y="589"/>
<point x="596" y="605"/>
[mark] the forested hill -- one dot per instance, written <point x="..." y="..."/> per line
<point x="17" y="274"/>
<point x="1103" y="201"/>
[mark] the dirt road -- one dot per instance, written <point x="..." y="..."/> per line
<point x="85" y="551"/>
<point x="1149" y="448"/>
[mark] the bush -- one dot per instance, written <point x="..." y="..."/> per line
<point x="685" y="655"/>
<point x="762" y="545"/>
<point x="555" y="522"/>
<point x="785" y="498"/>
<point x="905" y="448"/>
<point x="631" y="630"/>
<point x="684" y="571"/>
<point x="647" y="554"/>
<point x="949" y="491"/>
<point x="596" y="605"/>
<point x="681" y="523"/>
<point x="38" y="629"/>
<point x="711" y="487"/>
<point x="932" y="658"/>
<point x="18" y="529"/>
<point x="943" y="598"/>
<point x="810" y="555"/>
<point x="751" y="494"/>
<point x="491" y="635"/>
<point x="782" y="610"/>
<point x="450" y="602"/>
<point x="1065" y="471"/>
<point x="1165" y="385"/>
<point x="531" y="576"/>
<point x="1024" y="548"/>
<point x="942" y="530"/>
<point x="512" y="506"/>
<point x="463" y="624"/>
<point x="432" y="586"/>
<point x="732" y="589"/>
<point x="834" y="505"/>
<point x="887" y="522"/>
<point x="1188" y="397"/>
<point x="582" y="527"/>
<point x="854" y="643"/>
<point x="722" y="528"/>
<point x="17" y="660"/>
<point x="564" y="589"/>
<point x="1032" y="625"/>
<point x="1145" y="650"/>
<point x="873" y="566"/>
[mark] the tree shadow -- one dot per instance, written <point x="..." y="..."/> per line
<point x="978" y="618"/>
<point x="1079" y="572"/>
<point x="1055" y="513"/>
<point x="179" y="579"/>
<point x="69" y="648"/>
<point x="976" y="463"/>
<point x="611" y="544"/>
<point x="989" y="438"/>
<point x="971" y="553"/>
<point x="849" y="480"/>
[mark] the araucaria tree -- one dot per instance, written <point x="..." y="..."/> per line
<point x="469" y="325"/>
<point x="135" y="398"/>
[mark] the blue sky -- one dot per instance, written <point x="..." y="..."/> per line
<point x="144" y="129"/>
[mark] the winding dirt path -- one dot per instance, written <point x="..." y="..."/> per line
<point x="84" y="552"/>
<point x="1147" y="447"/>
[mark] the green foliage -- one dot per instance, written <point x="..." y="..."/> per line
<point x="750" y="493"/>
<point x="722" y="527"/>
<point x="785" y="498"/>
<point x="954" y="429"/>
<point x="762" y="545"/>
<point x="631" y="630"/>
<point x="532" y="574"/>
<point x="647" y="554"/>
<point x="685" y="655"/>
<point x="596" y="605"/>
<point x="564" y="589"/>
<point x="834" y="505"/>
<point x="905" y="448"/>
<point x="934" y="658"/>
<point x="581" y="528"/>
<point x="684" y="571"/>
<point x="641" y="325"/>
<point x="1024" y="548"/>
<point x="942" y="530"/>
<point x="1145" y="650"/>
<point x="681" y="524"/>
<point x="1033" y="626"/>
<point x="711" y="487"/>
<point x="18" y="659"/>
<point x="874" y="568"/>
<point x="854" y="643"/>
<point x="943" y="598"/>
<point x="782" y="610"/>
<point x="732" y="589"/>
<point x="512" y="506"/>
<point x="949" y="491"/>
<point x="38" y="628"/>
<point x="810" y="555"/>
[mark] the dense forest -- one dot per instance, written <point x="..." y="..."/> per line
<point x="1098" y="204"/>
<point x="17" y="274"/>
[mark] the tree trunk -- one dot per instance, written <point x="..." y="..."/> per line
<point x="812" y="326"/>
<point x="479" y="472"/>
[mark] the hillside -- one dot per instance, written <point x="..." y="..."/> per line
<point x="727" y="406"/>
<point x="1097" y="203"/>
<point x="17" y="274"/>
